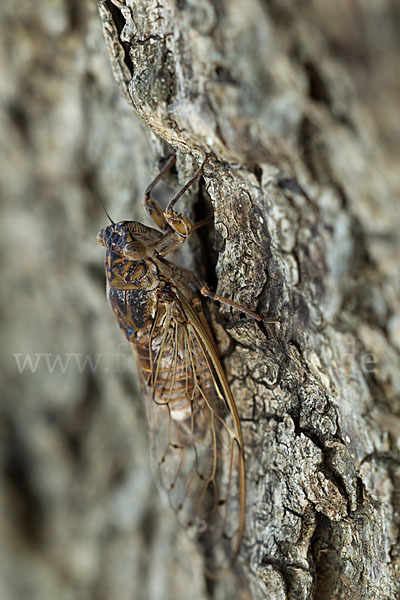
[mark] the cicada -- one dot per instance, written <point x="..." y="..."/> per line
<point x="195" y="433"/>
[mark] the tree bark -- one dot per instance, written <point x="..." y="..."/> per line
<point x="298" y="108"/>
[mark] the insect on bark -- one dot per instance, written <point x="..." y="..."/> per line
<point x="195" y="433"/>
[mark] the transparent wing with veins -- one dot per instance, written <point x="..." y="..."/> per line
<point x="195" y="434"/>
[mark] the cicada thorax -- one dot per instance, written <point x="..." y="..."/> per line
<point x="132" y="292"/>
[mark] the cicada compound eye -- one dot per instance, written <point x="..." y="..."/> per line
<point x="100" y="237"/>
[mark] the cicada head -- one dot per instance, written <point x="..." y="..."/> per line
<point x="128" y="238"/>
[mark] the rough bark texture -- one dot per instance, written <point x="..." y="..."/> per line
<point x="299" y="107"/>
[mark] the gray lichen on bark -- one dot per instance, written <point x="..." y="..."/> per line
<point x="298" y="108"/>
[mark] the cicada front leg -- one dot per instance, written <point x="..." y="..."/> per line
<point x="151" y="206"/>
<point x="176" y="221"/>
<point x="168" y="218"/>
<point x="175" y="226"/>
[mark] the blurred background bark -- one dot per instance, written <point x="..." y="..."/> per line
<point x="299" y="104"/>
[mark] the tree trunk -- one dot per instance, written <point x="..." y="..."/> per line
<point x="297" y="105"/>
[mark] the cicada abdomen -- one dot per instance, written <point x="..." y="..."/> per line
<point x="195" y="433"/>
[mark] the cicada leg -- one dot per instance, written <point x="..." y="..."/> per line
<point x="174" y="219"/>
<point x="175" y="226"/>
<point x="152" y="207"/>
<point x="207" y="293"/>
<point x="181" y="227"/>
<point x="169" y="220"/>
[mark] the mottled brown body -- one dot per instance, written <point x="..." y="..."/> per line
<point x="195" y="432"/>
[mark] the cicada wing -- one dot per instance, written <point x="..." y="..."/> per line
<point x="195" y="434"/>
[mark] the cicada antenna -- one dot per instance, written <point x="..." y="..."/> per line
<point x="106" y="211"/>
